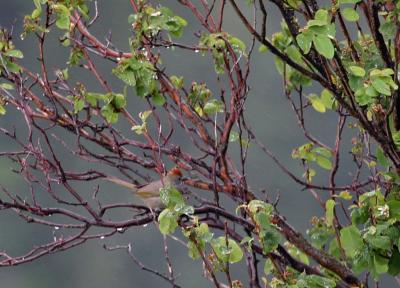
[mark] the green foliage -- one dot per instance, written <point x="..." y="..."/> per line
<point x="3" y="99"/>
<point x="9" y="54"/>
<point x="138" y="72"/>
<point x="177" y="81"/>
<point x="318" y="31"/>
<point x="374" y="89"/>
<point x="350" y="15"/>
<point x="218" y="43"/>
<point x="75" y="56"/>
<point x="113" y="103"/>
<point x="227" y="250"/>
<point x="60" y="9"/>
<point x="142" y="128"/>
<point x="297" y="254"/>
<point x="150" y="21"/>
<point x="199" y="99"/>
<point x="323" y="102"/>
<point x="351" y="240"/>
<point x="202" y="235"/>
<point x="167" y="221"/>
<point x="224" y="249"/>
<point x="329" y="214"/>
<point x="284" y="42"/>
<point x="319" y="155"/>
<point x="63" y="14"/>
<point x="3" y="102"/>
<point x="375" y="247"/>
<point x="314" y="281"/>
<point x="175" y="208"/>
<point x="320" y="234"/>
<point x="268" y="234"/>
<point x="32" y="22"/>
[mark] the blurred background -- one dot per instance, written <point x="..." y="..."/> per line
<point x="268" y="112"/>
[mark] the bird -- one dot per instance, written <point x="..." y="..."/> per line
<point x="150" y="193"/>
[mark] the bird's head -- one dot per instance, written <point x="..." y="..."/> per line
<point x="175" y="174"/>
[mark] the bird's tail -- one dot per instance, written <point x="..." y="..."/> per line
<point x="122" y="183"/>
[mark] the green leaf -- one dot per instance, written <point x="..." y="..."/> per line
<point x="345" y="195"/>
<point x="355" y="82"/>
<point x="329" y="214"/>
<point x="12" y="67"/>
<point x="167" y="221"/>
<point x="118" y="100"/>
<point x="327" y="98"/>
<point x="7" y="86"/>
<point x="388" y="29"/>
<point x="108" y="111"/>
<point x="331" y="30"/>
<point x="237" y="44"/>
<point x="269" y="237"/>
<point x="350" y="15"/>
<point x="262" y="48"/>
<point x="324" y="45"/>
<point x="362" y="98"/>
<point x="362" y="260"/>
<point x="379" y="242"/>
<point x="382" y="160"/>
<point x="256" y="206"/>
<point x="359" y="216"/>
<point x="63" y="14"/>
<point x="357" y="71"/>
<point x="394" y="263"/>
<point x="176" y="25"/>
<point x="2" y="110"/>
<point x="324" y="162"/>
<point x="304" y="40"/>
<point x="202" y="235"/>
<point x="320" y="234"/>
<point x="213" y="106"/>
<point x="314" y="281"/>
<point x="323" y="151"/>
<point x="36" y="13"/>
<point x="322" y="17"/>
<point x="348" y="1"/>
<point x="350" y="238"/>
<point x="171" y="197"/>
<point x="233" y="136"/>
<point x="268" y="267"/>
<point x="192" y="250"/>
<point x="75" y="56"/>
<point x="231" y="253"/>
<point x="334" y="249"/>
<point x="381" y="86"/>
<point x="177" y="81"/>
<point x="127" y="76"/>
<point x="158" y="99"/>
<point x="371" y="92"/>
<point x="79" y="104"/>
<point x="297" y="253"/>
<point x="394" y="209"/>
<point x="14" y="53"/>
<point x="92" y="98"/>
<point x="294" y="54"/>
<point x="317" y="103"/>
<point x="379" y="265"/>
